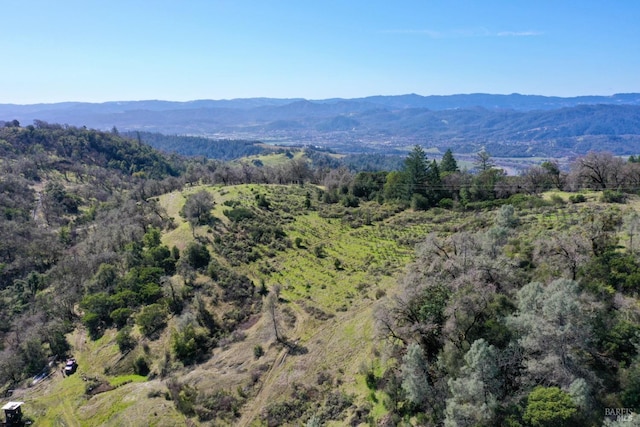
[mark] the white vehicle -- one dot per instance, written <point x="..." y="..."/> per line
<point x="70" y="367"/>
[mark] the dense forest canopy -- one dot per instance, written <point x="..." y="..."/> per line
<point x="222" y="149"/>
<point x="518" y="293"/>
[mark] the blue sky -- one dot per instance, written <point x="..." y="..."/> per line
<point x="108" y="50"/>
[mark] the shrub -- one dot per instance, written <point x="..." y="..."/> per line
<point x="152" y="318"/>
<point x="154" y="393"/>
<point x="258" y="351"/>
<point x="611" y="196"/>
<point x="190" y="345"/>
<point x="97" y="312"/>
<point x="92" y="322"/>
<point x="221" y="404"/>
<point x="330" y="197"/>
<point x="548" y="406"/>
<point x="337" y="402"/>
<point x="277" y="414"/>
<point x="262" y="201"/>
<point x="231" y="203"/>
<point x="483" y="205"/>
<point x="577" y="198"/>
<point x="124" y="298"/>
<point x="371" y="380"/>
<point x="319" y="251"/>
<point x="140" y="366"/>
<point x="419" y="203"/>
<point x="124" y="340"/>
<point x="238" y="214"/>
<point x="93" y="386"/>
<point x="197" y="255"/>
<point x="235" y="287"/>
<point x="324" y="378"/>
<point x="445" y="203"/>
<point x="350" y="201"/>
<point x="631" y="383"/>
<point x="150" y="293"/>
<point x="183" y="396"/>
<point x="526" y="201"/>
<point x="380" y="293"/>
<point x="55" y="335"/>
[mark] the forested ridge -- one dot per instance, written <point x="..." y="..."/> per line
<point x="226" y="290"/>
<point x="221" y="149"/>
<point x="508" y="125"/>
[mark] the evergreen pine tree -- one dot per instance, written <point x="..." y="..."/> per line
<point x="448" y="162"/>
<point x="416" y="169"/>
<point x="415" y="376"/>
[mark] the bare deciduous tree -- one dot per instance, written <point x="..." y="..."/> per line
<point x="197" y="208"/>
<point x="562" y="253"/>
<point x="554" y="326"/>
<point x="599" y="170"/>
<point x="271" y="307"/>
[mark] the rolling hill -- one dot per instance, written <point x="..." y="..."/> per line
<point x="197" y="292"/>
<point x="506" y="125"/>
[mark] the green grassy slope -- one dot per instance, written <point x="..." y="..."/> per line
<point x="332" y="304"/>
<point x="339" y="265"/>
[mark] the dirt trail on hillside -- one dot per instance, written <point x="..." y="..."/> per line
<point x="323" y="334"/>
<point x="259" y="401"/>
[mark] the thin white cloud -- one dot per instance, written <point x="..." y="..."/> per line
<point x="428" y="33"/>
<point x="519" y="33"/>
<point x="471" y="32"/>
<point x="463" y="33"/>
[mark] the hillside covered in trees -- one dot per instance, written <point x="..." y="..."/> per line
<point x="506" y="125"/>
<point x="298" y="292"/>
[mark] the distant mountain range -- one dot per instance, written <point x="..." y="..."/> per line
<point x="506" y="125"/>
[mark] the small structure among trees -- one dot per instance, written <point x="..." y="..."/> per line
<point x="13" y="414"/>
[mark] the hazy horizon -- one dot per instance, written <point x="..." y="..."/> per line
<point x="312" y="99"/>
